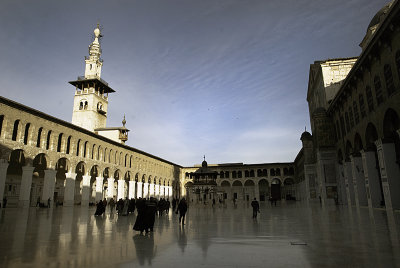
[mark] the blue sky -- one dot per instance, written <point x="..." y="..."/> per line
<point x="224" y="78"/>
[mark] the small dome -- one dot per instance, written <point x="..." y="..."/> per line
<point x="306" y="136"/>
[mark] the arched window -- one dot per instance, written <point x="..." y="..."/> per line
<point x="130" y="161"/>
<point x="26" y="134"/>
<point x="362" y="105"/>
<point x="226" y="174"/>
<point x="234" y="174"/>
<point x="85" y="106"/>
<point x="387" y="71"/>
<point x="81" y="105"/>
<point x="68" y="145"/>
<point x="251" y="173"/>
<point x="355" y="110"/>
<point x="98" y="153"/>
<point x="246" y="173"/>
<point x="346" y="117"/>
<point x="15" y="130"/>
<point x="85" y="149"/>
<point x="93" y="150"/>
<point x="126" y="159"/>
<point x="264" y="172"/>
<point x="272" y="172"/>
<point x="351" y="117"/>
<point x="239" y="174"/>
<point x="370" y="100"/>
<point x="1" y="123"/>
<point x="378" y="90"/>
<point x="222" y="175"/>
<point x="78" y="144"/>
<point x="105" y="155"/>
<point x="48" y="140"/>
<point x="259" y="173"/>
<point x="278" y="172"/>
<point x="39" y="137"/>
<point x="59" y="144"/>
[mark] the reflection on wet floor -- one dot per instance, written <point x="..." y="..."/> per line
<point x="290" y="234"/>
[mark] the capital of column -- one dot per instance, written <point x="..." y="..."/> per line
<point x="28" y="169"/>
<point x="50" y="172"/>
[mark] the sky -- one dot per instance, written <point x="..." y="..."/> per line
<point x="222" y="78"/>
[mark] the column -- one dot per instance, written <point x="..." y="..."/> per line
<point x="358" y="182"/>
<point x="131" y="189"/>
<point x="49" y="182"/>
<point x="145" y="189"/>
<point x="26" y="185"/>
<point x="371" y="176"/>
<point x="139" y="189"/>
<point x="161" y="191"/>
<point x="110" y="189"/>
<point x="121" y="189"/>
<point x="151" y="194"/>
<point x="85" y="190"/>
<point x="342" y="192"/>
<point x="99" y="188"/>
<point x="349" y="183"/>
<point x="69" y="191"/>
<point x="390" y="174"/>
<point x="257" y="191"/>
<point x="3" y="175"/>
<point x="157" y="191"/>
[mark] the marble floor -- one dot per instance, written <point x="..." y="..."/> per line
<point x="288" y="235"/>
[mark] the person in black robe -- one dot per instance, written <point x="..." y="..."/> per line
<point x="182" y="208"/>
<point x="256" y="208"/>
<point x="99" y="209"/>
<point x="140" y="218"/>
<point x="150" y="214"/>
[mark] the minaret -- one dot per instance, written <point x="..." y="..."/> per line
<point x="91" y="94"/>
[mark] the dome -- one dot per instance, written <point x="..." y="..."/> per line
<point x="377" y="19"/>
<point x="306" y="136"/>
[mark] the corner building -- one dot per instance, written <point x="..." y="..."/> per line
<point x="353" y="154"/>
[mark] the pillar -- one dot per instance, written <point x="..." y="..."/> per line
<point x="151" y="194"/>
<point x="170" y="192"/>
<point x="26" y="185"/>
<point x="342" y="191"/>
<point x="390" y="174"/>
<point x="85" y="190"/>
<point x="49" y="182"/>
<point x="162" y="191"/>
<point x="360" y="195"/>
<point x="131" y="191"/>
<point x="145" y="189"/>
<point x="139" y="189"/>
<point x="257" y="191"/>
<point x="110" y="189"/>
<point x="348" y="183"/>
<point x="99" y="188"/>
<point x="371" y="176"/>
<point x="121" y="189"/>
<point x="157" y="191"/>
<point x="3" y="175"/>
<point x="69" y="191"/>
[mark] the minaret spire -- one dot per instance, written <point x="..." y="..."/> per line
<point x="94" y="62"/>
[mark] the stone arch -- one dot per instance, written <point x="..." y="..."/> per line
<point x="349" y="150"/>
<point x="117" y="174"/>
<point x="276" y="189"/>
<point x="358" y="145"/>
<point x="63" y="166"/>
<point x="237" y="183"/>
<point x="225" y="183"/>
<point x="391" y="124"/>
<point x="40" y="163"/>
<point x="371" y="135"/>
<point x="80" y="171"/>
<point x="249" y="183"/>
<point x="264" y="190"/>
<point x="106" y="173"/>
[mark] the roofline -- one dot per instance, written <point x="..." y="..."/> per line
<point x="74" y="127"/>
<point x="363" y="55"/>
<point x="245" y="165"/>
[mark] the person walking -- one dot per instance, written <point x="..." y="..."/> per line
<point x="182" y="208"/>
<point x="48" y="202"/>
<point x="256" y="208"/>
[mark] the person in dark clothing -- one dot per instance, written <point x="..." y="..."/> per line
<point x="182" y="208"/>
<point x="99" y="209"/>
<point x="48" y="202"/>
<point x="174" y="203"/>
<point x="131" y="208"/>
<point x="140" y="218"/>
<point x="150" y="214"/>
<point x="167" y="206"/>
<point x="256" y="207"/>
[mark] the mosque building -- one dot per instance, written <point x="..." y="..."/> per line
<point x="351" y="157"/>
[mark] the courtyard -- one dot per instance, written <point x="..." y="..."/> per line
<point x="288" y="235"/>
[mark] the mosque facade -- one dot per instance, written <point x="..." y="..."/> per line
<point x="351" y="157"/>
